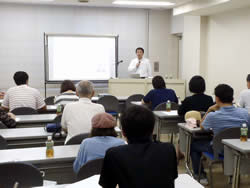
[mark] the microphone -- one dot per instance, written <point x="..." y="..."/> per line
<point x="121" y="61"/>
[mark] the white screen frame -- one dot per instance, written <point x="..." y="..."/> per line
<point x="46" y="54"/>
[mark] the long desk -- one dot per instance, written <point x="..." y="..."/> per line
<point x="28" y="137"/>
<point x="186" y="135"/>
<point x="37" y="120"/>
<point x="183" y="180"/>
<point x="240" y="150"/>
<point x="168" y="121"/>
<point x="127" y="87"/>
<point x="61" y="163"/>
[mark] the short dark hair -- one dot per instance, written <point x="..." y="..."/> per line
<point x="137" y="122"/>
<point x="248" y="78"/>
<point x="158" y="82"/>
<point x="103" y="132"/>
<point x="20" y="77"/>
<point x="67" y="85"/>
<point x="197" y="84"/>
<point x="224" y="93"/>
<point x="139" y="48"/>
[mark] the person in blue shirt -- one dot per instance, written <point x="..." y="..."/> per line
<point x="102" y="137"/>
<point x="159" y="94"/>
<point x="220" y="116"/>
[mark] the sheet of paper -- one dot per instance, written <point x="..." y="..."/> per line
<point x="91" y="182"/>
<point x="171" y="113"/>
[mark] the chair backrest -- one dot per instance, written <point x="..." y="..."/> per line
<point x="3" y="143"/>
<point x="136" y="97"/>
<point x="110" y="103"/>
<point x="89" y="169"/>
<point x="2" y="126"/>
<point x="24" y="174"/>
<point x="230" y="133"/>
<point x="162" y="106"/>
<point x="193" y="114"/>
<point x="58" y="119"/>
<point x="24" y="111"/>
<point x="49" y="100"/>
<point x="77" y="139"/>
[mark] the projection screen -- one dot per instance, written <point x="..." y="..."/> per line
<point x="80" y="57"/>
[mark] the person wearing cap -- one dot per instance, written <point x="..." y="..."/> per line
<point x="102" y="137"/>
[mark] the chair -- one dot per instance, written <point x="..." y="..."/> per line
<point x="193" y="114"/>
<point x="110" y="103"/>
<point x="218" y="148"/>
<point x="24" y="111"/>
<point x="89" y="169"/>
<point x="77" y="139"/>
<point x="136" y="97"/>
<point x="162" y="106"/>
<point x="24" y="174"/>
<point x="2" y="126"/>
<point x="49" y="100"/>
<point x="3" y="143"/>
<point x="174" y="128"/>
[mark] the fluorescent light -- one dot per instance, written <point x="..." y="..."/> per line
<point x="143" y="3"/>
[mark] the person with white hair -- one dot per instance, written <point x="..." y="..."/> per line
<point x="76" y="118"/>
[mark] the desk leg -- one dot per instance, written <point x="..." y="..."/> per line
<point x="187" y="154"/>
<point x="158" y="130"/>
<point x="236" y="174"/>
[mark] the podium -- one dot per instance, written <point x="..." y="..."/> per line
<point x="127" y="87"/>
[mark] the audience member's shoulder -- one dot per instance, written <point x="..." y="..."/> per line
<point x="33" y="89"/>
<point x="242" y="110"/>
<point x="245" y="92"/>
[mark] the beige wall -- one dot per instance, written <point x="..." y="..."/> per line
<point x="163" y="46"/>
<point x="228" y="49"/>
<point x="218" y="48"/>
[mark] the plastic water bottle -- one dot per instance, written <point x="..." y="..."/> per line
<point x="243" y="132"/>
<point x="168" y="106"/>
<point x="49" y="147"/>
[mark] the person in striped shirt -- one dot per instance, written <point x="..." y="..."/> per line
<point x="23" y="95"/>
<point x="68" y="93"/>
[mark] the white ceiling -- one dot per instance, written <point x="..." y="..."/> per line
<point x="97" y="3"/>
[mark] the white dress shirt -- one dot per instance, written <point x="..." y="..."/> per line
<point x="77" y="116"/>
<point x="144" y="68"/>
<point x="245" y="99"/>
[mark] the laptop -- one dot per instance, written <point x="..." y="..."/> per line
<point x="135" y="75"/>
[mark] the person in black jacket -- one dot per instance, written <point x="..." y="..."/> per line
<point x="142" y="163"/>
<point x="198" y="101"/>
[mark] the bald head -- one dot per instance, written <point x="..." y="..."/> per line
<point x="85" y="89"/>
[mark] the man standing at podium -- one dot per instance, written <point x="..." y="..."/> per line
<point x="140" y="65"/>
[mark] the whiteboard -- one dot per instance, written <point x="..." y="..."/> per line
<point x="80" y="57"/>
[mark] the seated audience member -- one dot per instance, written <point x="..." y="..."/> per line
<point x="141" y="163"/>
<point x="22" y="95"/>
<point x="245" y="96"/>
<point x="68" y="93"/>
<point x="198" y="101"/>
<point x="102" y="137"/>
<point x="1" y="95"/>
<point x="159" y="94"/>
<point x="220" y="116"/>
<point x="8" y="119"/>
<point x="76" y="117"/>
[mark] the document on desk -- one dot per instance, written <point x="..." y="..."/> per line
<point x="91" y="182"/>
<point x="171" y="113"/>
<point x="186" y="181"/>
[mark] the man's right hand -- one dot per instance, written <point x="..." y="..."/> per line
<point x="213" y="108"/>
